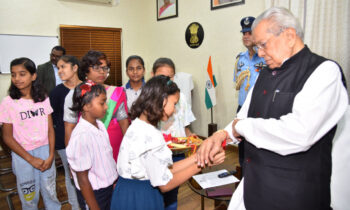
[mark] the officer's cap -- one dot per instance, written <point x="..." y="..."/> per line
<point x="246" y="24"/>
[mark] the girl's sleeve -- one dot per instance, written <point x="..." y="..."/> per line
<point x="5" y="116"/>
<point x="122" y="109"/>
<point x="79" y="154"/>
<point x="69" y="115"/>
<point x="47" y="105"/>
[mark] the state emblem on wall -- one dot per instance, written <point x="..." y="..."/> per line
<point x="194" y="35"/>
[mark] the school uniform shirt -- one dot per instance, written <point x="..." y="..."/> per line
<point x="316" y="109"/>
<point x="182" y="117"/>
<point x="144" y="155"/>
<point x="29" y="120"/>
<point x="131" y="94"/>
<point x="185" y="83"/>
<point x="89" y="149"/>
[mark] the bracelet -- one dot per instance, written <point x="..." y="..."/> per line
<point x="226" y="134"/>
<point x="223" y="144"/>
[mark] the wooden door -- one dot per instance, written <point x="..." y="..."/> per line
<point x="77" y="40"/>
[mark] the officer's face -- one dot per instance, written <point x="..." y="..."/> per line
<point x="247" y="39"/>
<point x="274" y="48"/>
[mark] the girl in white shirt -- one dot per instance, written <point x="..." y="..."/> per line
<point x="145" y="163"/>
<point x="89" y="151"/>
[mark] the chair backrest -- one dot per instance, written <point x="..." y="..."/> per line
<point x="4" y="147"/>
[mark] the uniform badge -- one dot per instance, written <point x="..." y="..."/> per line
<point x="259" y="66"/>
<point x="246" y="21"/>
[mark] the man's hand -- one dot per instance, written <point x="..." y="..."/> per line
<point x="209" y="148"/>
<point x="218" y="158"/>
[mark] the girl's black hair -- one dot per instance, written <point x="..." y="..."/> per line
<point x="150" y="101"/>
<point x="91" y="58"/>
<point x="70" y="59"/>
<point x="134" y="57"/>
<point x="80" y="101"/>
<point x="37" y="91"/>
<point x="163" y="62"/>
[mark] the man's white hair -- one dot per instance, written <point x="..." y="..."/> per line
<point x="281" y="19"/>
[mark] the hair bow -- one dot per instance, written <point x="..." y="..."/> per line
<point x="86" y="87"/>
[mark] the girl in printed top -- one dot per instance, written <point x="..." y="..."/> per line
<point x="145" y="165"/>
<point x="68" y="67"/>
<point x="177" y="125"/>
<point x="89" y="152"/>
<point x="28" y="132"/>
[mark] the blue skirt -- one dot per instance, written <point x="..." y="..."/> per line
<point x="136" y="194"/>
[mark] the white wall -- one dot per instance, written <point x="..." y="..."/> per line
<point x="149" y="38"/>
<point x="222" y="41"/>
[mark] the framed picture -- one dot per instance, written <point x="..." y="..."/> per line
<point x="166" y="9"/>
<point x="218" y="4"/>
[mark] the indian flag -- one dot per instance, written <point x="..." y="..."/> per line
<point x="210" y="97"/>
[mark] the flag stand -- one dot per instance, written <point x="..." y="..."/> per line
<point x="212" y="127"/>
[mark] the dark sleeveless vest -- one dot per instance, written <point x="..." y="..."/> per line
<point x="298" y="181"/>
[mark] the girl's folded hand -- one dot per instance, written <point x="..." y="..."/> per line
<point x="37" y="163"/>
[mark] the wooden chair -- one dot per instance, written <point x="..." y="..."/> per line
<point x="4" y="171"/>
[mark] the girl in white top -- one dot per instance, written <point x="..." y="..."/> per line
<point x="145" y="164"/>
<point x="89" y="151"/>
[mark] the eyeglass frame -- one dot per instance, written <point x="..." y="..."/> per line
<point x="262" y="46"/>
<point x="98" y="68"/>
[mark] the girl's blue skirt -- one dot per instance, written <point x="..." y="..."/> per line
<point x="136" y="195"/>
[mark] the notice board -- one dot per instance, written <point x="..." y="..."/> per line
<point x="36" y="48"/>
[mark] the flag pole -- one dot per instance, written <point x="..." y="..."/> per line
<point x="212" y="127"/>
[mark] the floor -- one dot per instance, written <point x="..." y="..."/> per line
<point x="187" y="199"/>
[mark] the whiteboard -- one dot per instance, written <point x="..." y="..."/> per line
<point x="37" y="48"/>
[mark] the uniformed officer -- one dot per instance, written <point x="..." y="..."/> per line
<point x="248" y="63"/>
<point x="247" y="68"/>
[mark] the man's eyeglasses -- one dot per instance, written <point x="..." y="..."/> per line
<point x="97" y="68"/>
<point x="262" y="45"/>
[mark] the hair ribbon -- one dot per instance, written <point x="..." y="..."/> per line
<point x="86" y="87"/>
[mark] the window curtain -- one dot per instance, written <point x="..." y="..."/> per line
<point x="326" y="25"/>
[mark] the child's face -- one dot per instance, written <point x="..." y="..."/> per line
<point x="169" y="105"/>
<point x="135" y="70"/>
<point x="99" y="75"/>
<point x="21" y="77"/>
<point x="165" y="71"/>
<point x="65" y="70"/>
<point x="97" y="107"/>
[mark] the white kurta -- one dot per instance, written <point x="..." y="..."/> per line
<point x="316" y="109"/>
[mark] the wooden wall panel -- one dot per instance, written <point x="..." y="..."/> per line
<point x="77" y="40"/>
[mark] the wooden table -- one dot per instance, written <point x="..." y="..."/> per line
<point x="228" y="165"/>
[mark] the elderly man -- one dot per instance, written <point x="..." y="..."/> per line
<point x="288" y="121"/>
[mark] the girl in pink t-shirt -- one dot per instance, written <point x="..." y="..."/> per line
<point x="28" y="132"/>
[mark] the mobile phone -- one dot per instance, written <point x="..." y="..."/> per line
<point x="226" y="174"/>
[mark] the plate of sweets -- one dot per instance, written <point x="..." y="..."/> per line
<point x="183" y="144"/>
